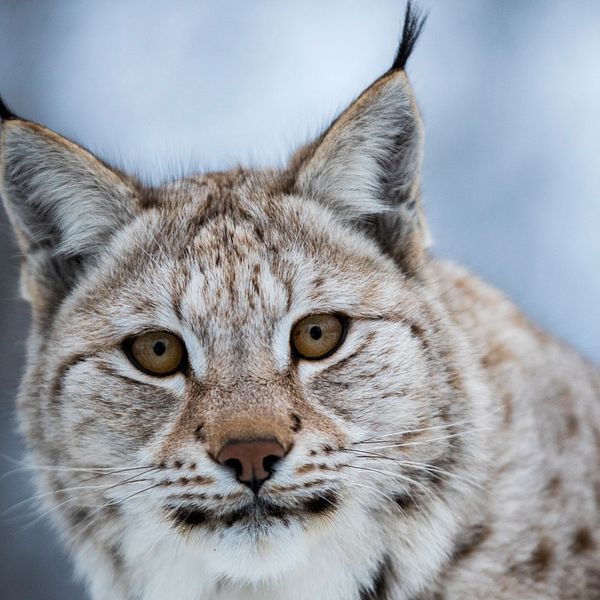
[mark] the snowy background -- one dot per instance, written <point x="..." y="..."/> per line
<point x="510" y="93"/>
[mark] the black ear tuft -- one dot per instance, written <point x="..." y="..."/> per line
<point x="5" y="113"/>
<point x="414" y="21"/>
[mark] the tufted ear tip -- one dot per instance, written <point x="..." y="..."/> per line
<point x="414" y="21"/>
<point x="5" y="113"/>
<point x="367" y="165"/>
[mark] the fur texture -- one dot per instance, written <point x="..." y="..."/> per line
<point x="447" y="450"/>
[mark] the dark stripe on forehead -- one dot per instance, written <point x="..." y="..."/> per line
<point x="289" y="288"/>
<point x="255" y="279"/>
<point x="179" y="284"/>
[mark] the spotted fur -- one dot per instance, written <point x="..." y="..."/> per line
<point x="447" y="450"/>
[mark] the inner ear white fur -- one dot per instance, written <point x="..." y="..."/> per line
<point x="57" y="194"/>
<point x="368" y="162"/>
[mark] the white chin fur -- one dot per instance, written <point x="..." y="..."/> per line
<point x="236" y="554"/>
<point x="243" y="556"/>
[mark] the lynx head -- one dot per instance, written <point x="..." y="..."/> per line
<point x="253" y="362"/>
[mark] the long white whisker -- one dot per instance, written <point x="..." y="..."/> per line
<point x="381" y="493"/>
<point x="377" y="437"/>
<point x="392" y="474"/>
<point x="75" y="499"/>
<point x="100" y="471"/>
<point x="102" y="488"/>
<point x="417" y="465"/>
<point x="422" y="442"/>
<point x="113" y="503"/>
<point x="37" y="497"/>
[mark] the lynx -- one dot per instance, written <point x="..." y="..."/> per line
<point x="260" y="384"/>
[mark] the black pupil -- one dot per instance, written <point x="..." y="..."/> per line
<point x="159" y="348"/>
<point x="315" y="332"/>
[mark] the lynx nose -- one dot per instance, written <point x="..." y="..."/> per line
<point x="252" y="460"/>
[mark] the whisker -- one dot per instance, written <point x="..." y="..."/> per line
<point x="417" y="465"/>
<point x="100" y="471"/>
<point x="392" y="474"/>
<point x="37" y="497"/>
<point x="420" y="442"/>
<point x="25" y="465"/>
<point x="401" y="432"/>
<point x="100" y="488"/>
<point x="381" y="493"/>
<point x="377" y="437"/>
<point x="118" y="471"/>
<point x="114" y="503"/>
<point x="443" y="472"/>
<point x="75" y="499"/>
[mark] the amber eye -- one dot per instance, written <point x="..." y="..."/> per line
<point x="317" y="336"/>
<point x="156" y="352"/>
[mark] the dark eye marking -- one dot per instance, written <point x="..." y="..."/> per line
<point x="108" y="370"/>
<point x="343" y="363"/>
<point x="63" y="370"/>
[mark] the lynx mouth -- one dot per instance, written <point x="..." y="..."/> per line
<point x="259" y="514"/>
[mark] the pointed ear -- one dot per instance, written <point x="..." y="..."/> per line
<point x="63" y="203"/>
<point x="366" y="166"/>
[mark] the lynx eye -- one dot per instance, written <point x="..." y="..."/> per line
<point x="317" y="336"/>
<point x="156" y="352"/>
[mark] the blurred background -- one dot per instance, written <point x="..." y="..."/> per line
<point x="510" y="94"/>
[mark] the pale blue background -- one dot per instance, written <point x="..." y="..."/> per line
<point x="510" y="93"/>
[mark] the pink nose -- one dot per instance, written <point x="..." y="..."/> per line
<point x="251" y="460"/>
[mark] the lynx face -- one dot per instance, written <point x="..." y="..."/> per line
<point x="230" y="284"/>
<point x="244" y="367"/>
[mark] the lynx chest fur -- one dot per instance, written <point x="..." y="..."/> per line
<point x="259" y="385"/>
